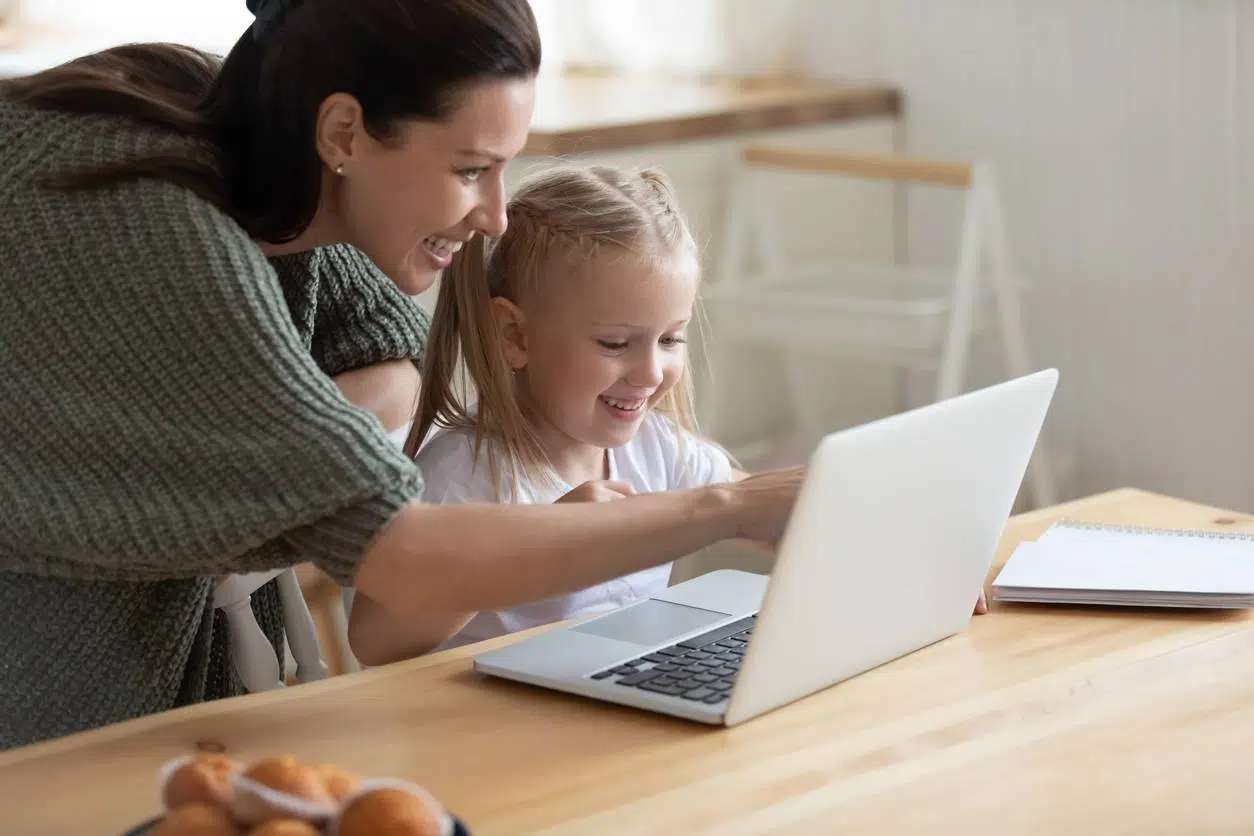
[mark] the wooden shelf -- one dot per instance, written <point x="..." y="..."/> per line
<point x="594" y="112"/>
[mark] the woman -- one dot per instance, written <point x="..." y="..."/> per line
<point x="191" y="252"/>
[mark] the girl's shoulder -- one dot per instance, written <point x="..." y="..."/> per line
<point x="454" y="471"/>
<point x="665" y="456"/>
<point x="660" y="432"/>
<point x="448" y="448"/>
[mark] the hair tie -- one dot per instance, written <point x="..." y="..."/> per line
<point x="269" y="14"/>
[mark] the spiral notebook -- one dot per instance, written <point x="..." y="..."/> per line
<point x="1084" y="563"/>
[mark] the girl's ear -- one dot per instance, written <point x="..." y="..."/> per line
<point x="509" y="321"/>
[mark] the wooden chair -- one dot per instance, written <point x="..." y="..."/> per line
<point x="914" y="318"/>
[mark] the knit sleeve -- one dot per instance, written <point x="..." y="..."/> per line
<point x="163" y="418"/>
<point x="362" y="317"/>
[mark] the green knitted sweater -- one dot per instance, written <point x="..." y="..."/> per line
<point x="166" y="416"/>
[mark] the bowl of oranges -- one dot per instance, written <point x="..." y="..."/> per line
<point x="212" y="795"/>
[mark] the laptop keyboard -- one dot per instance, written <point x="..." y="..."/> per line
<point x="702" y="668"/>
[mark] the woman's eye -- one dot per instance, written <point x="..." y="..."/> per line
<point x="470" y="175"/>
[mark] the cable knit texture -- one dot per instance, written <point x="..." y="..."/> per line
<point x="167" y="417"/>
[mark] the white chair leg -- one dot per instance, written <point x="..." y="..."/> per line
<point x="302" y="634"/>
<point x="951" y="375"/>
<point x="1014" y="339"/>
<point x="340" y="617"/>
<point x="255" y="661"/>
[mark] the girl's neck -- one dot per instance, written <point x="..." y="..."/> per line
<point x="574" y="462"/>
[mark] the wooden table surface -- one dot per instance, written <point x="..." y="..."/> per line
<point x="1037" y="720"/>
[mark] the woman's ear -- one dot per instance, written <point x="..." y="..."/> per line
<point x="338" y="128"/>
<point x="509" y="321"/>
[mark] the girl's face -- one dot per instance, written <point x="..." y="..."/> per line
<point x="601" y="344"/>
<point x="413" y="199"/>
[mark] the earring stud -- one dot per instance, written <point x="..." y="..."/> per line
<point x="339" y="169"/>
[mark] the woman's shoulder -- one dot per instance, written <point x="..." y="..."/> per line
<point x="39" y="146"/>
<point x="128" y="224"/>
<point x="65" y="139"/>
<point x="142" y="248"/>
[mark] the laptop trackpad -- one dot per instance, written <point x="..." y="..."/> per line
<point x="650" y="622"/>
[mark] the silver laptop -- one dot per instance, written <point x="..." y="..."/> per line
<point x="885" y="553"/>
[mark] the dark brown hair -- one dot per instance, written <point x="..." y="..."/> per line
<point x="256" y="109"/>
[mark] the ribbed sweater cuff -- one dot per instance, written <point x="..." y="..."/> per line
<point x="337" y="544"/>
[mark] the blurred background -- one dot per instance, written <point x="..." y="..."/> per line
<point x="1112" y="141"/>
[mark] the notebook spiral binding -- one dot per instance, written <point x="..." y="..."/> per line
<point x="1158" y="532"/>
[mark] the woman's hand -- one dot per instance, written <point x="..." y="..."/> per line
<point x="764" y="503"/>
<point x="981" y="604"/>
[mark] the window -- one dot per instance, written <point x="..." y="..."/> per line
<point x="89" y="24"/>
<point x="688" y="36"/>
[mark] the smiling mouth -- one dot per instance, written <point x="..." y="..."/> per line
<point x="625" y="408"/>
<point x="439" y="251"/>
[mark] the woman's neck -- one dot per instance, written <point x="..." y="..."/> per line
<point x="321" y="232"/>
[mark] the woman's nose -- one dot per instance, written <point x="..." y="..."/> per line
<point x="489" y="216"/>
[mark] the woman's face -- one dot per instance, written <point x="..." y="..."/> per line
<point x="412" y="200"/>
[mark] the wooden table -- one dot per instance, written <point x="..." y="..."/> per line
<point x="1036" y="720"/>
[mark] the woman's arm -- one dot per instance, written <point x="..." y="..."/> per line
<point x="367" y="335"/>
<point x="433" y="564"/>
<point x="738" y="475"/>
<point x="388" y="389"/>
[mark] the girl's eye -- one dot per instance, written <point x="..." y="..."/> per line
<point x="612" y="345"/>
<point x="672" y="341"/>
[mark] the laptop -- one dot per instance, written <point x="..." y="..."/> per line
<point x="885" y="553"/>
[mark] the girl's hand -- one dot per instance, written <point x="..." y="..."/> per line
<point x="981" y="604"/>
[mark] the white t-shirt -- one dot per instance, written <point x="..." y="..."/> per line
<point x="652" y="461"/>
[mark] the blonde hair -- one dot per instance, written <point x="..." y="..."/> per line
<point x="556" y="213"/>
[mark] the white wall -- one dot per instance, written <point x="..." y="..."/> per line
<point x="1124" y="134"/>
<point x="209" y="24"/>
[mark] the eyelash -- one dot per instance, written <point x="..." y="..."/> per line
<point x="669" y="342"/>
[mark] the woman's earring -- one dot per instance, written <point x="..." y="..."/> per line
<point x="339" y="169"/>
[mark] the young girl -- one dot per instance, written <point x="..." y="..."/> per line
<point x="573" y="332"/>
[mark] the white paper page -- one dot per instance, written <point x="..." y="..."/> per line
<point x="1133" y="564"/>
<point x="1062" y="534"/>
